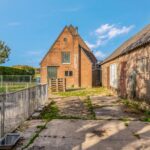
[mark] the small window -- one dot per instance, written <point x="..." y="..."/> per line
<point x="142" y="65"/>
<point x="65" y="40"/>
<point x="68" y="73"/>
<point x="66" y="57"/>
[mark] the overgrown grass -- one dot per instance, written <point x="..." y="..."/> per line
<point x="89" y="105"/>
<point x="85" y="92"/>
<point x="14" y="87"/>
<point x="138" y="107"/>
<point x="52" y="112"/>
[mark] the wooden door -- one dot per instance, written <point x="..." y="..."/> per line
<point x="122" y="86"/>
<point x="52" y="72"/>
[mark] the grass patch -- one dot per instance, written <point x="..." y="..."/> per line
<point x="15" y="87"/>
<point x="126" y="124"/>
<point x="90" y="107"/>
<point x="139" y="108"/>
<point x="145" y="119"/>
<point x="85" y="92"/>
<point x="52" y="112"/>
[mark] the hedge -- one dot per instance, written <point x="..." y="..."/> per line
<point x="14" y="71"/>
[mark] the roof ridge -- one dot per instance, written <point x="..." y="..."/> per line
<point x="118" y="51"/>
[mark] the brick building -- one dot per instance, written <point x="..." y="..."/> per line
<point x="69" y="57"/>
<point x="127" y="70"/>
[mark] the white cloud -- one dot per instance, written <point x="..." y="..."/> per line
<point x="14" y="24"/>
<point x="99" y="55"/>
<point x="106" y="32"/>
<point x="90" y="45"/>
<point x="103" y="28"/>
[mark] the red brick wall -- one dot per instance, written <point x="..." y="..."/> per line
<point x="86" y="71"/>
<point x="142" y="79"/>
<point x="53" y="58"/>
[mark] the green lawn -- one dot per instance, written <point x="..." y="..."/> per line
<point x="14" y="87"/>
<point x="85" y="92"/>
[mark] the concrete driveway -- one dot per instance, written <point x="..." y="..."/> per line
<point x="93" y="135"/>
<point x="108" y="132"/>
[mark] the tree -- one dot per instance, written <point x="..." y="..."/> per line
<point x="4" y="52"/>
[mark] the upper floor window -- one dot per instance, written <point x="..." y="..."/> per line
<point x="66" y="57"/>
<point x="142" y="65"/>
<point x="65" y="40"/>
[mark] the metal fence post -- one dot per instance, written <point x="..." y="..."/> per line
<point x="1" y="81"/>
<point x="3" y="113"/>
<point x="3" y="116"/>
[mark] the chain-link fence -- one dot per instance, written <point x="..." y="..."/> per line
<point x="16" y="107"/>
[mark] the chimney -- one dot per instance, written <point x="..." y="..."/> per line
<point x="76" y="30"/>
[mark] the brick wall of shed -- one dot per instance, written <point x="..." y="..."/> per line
<point x="86" y="71"/>
<point x="54" y="59"/>
<point x="142" y="79"/>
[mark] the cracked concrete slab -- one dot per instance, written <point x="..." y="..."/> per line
<point x="84" y="135"/>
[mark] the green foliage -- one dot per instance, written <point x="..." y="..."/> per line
<point x="14" y="71"/>
<point x="89" y="105"/>
<point x="146" y="119"/>
<point x="138" y="107"/>
<point x="4" y="52"/>
<point x="15" y="87"/>
<point x="85" y="92"/>
<point x="30" y="70"/>
<point x="50" y="112"/>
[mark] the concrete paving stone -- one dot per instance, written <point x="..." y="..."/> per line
<point x="84" y="135"/>
<point x="27" y="130"/>
<point x="109" y="112"/>
<point x="104" y="100"/>
<point x="35" y="115"/>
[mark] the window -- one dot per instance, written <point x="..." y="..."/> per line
<point x="113" y="76"/>
<point x="65" y="40"/>
<point x="68" y="73"/>
<point x="66" y="57"/>
<point x="142" y="65"/>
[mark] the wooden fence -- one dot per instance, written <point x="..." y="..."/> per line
<point x="57" y="85"/>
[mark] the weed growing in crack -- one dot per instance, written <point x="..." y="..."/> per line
<point x="136" y="135"/>
<point x="90" y="107"/>
<point x="41" y="128"/>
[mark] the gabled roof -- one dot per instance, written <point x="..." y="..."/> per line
<point x="90" y="55"/>
<point x="74" y="32"/>
<point x="53" y="44"/>
<point x="141" y="38"/>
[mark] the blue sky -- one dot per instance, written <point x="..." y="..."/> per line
<point x="29" y="27"/>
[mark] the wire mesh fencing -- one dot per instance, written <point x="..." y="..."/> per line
<point x="18" y="106"/>
<point x="12" y="83"/>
